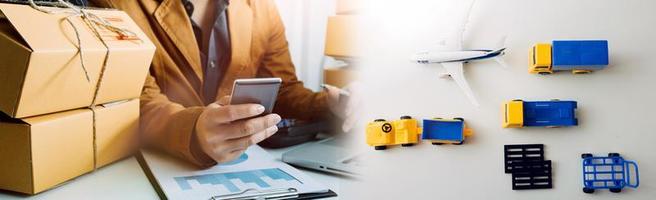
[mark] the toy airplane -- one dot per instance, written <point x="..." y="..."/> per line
<point x="452" y="56"/>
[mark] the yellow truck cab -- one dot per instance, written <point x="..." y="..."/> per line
<point x="540" y="59"/>
<point x="514" y="114"/>
<point x="382" y="133"/>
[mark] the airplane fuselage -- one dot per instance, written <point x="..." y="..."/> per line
<point x="455" y="56"/>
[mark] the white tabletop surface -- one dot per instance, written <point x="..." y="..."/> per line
<point x="616" y="105"/>
<point x="126" y="180"/>
<point x="121" y="180"/>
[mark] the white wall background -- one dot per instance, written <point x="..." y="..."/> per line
<point x="616" y="105"/>
<point x="305" y="22"/>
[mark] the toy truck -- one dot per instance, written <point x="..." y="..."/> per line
<point x="579" y="56"/>
<point x="610" y="172"/>
<point x="382" y="133"/>
<point x="445" y="131"/>
<point x="554" y="113"/>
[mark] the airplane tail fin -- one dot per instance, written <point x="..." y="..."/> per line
<point x="500" y="49"/>
<point x="501" y="62"/>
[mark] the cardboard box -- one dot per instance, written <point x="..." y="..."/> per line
<point x="41" y="70"/>
<point x="341" y="36"/>
<point x="348" y="6"/>
<point x="117" y="131"/>
<point x="339" y="77"/>
<point x="41" y="152"/>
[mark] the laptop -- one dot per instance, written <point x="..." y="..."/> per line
<point x="330" y="155"/>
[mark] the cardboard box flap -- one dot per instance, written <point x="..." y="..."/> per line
<point x="13" y="50"/>
<point x="49" y="32"/>
<point x="8" y="30"/>
<point x="55" y="116"/>
<point x="60" y="35"/>
<point x="45" y="73"/>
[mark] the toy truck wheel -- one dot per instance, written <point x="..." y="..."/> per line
<point x="380" y="120"/>
<point x="437" y="143"/>
<point x="380" y="147"/>
<point x="615" y="190"/>
<point x="459" y="118"/>
<point x="613" y="155"/>
<point x="544" y="73"/>
<point x="581" y="71"/>
<point x="406" y="117"/>
<point x="407" y="145"/>
<point x="459" y="143"/>
<point x="586" y="155"/>
<point x="588" y="190"/>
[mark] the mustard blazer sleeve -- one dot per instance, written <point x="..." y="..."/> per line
<point x="170" y="126"/>
<point x="294" y="100"/>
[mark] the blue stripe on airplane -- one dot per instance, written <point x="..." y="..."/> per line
<point x="491" y="55"/>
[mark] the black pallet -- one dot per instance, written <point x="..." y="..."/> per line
<point x="531" y="175"/>
<point x="518" y="153"/>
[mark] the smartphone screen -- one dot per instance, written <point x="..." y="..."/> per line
<point x="263" y="91"/>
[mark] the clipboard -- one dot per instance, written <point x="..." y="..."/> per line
<point x="247" y="194"/>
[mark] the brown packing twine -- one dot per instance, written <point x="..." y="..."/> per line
<point x="92" y="21"/>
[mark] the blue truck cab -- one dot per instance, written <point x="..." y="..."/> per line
<point x="554" y="113"/>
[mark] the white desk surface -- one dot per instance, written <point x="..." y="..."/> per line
<point x="126" y="180"/>
<point x="121" y="180"/>
<point x="616" y="105"/>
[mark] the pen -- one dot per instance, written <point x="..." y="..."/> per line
<point x="343" y="94"/>
<point x="341" y="91"/>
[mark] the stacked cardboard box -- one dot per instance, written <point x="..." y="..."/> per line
<point x="342" y="30"/>
<point x="341" y="41"/>
<point x="49" y="130"/>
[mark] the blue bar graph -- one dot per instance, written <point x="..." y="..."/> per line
<point x="226" y="179"/>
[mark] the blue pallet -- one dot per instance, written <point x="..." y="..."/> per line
<point x="608" y="173"/>
<point x="579" y="54"/>
<point x="550" y="113"/>
<point x="435" y="129"/>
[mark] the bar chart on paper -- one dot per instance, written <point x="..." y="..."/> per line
<point x="255" y="170"/>
<point x="233" y="182"/>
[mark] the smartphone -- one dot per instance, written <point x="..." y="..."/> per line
<point x="263" y="91"/>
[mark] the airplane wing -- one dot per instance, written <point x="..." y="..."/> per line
<point x="454" y="69"/>
<point x="455" y="39"/>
